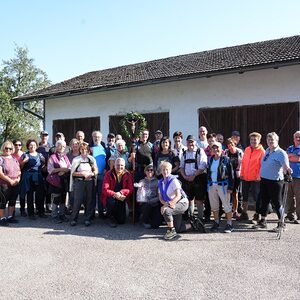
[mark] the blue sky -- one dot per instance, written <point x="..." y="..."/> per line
<point x="67" y="38"/>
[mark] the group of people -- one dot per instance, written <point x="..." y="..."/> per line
<point x="158" y="183"/>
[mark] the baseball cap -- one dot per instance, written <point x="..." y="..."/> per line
<point x="44" y="132"/>
<point x="60" y="134"/>
<point x="158" y="132"/>
<point x="217" y="144"/>
<point x="235" y="133"/>
<point x="190" y="137"/>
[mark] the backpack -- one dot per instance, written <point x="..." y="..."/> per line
<point x="191" y="160"/>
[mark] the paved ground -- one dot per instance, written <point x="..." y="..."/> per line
<point x="41" y="260"/>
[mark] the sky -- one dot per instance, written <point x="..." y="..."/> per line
<point x="67" y="38"/>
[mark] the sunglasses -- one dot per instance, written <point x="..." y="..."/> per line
<point x="149" y="170"/>
<point x="6" y="148"/>
<point x="18" y="145"/>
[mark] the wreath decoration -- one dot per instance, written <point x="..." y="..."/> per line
<point x="133" y="124"/>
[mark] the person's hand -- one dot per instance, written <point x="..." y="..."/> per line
<point x="26" y="158"/>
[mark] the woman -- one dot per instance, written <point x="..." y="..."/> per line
<point x="120" y="152"/>
<point x="74" y="152"/>
<point x="32" y="180"/>
<point x="274" y="165"/>
<point x="165" y="154"/>
<point x="174" y="202"/>
<point x="220" y="185"/>
<point x="83" y="173"/>
<point x="178" y="145"/>
<point x="59" y="173"/>
<point x="147" y="197"/>
<point x="10" y="175"/>
<point x="235" y="156"/>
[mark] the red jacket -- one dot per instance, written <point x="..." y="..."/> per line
<point x="250" y="167"/>
<point x="109" y="184"/>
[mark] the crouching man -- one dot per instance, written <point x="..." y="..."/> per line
<point x="117" y="186"/>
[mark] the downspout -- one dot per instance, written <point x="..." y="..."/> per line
<point x="34" y="113"/>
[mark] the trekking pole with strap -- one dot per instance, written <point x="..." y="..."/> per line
<point x="287" y="180"/>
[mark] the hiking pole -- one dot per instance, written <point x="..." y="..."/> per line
<point x="287" y="180"/>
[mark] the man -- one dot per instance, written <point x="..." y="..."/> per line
<point x="80" y="136"/>
<point x="111" y="143"/>
<point x="178" y="146"/>
<point x="250" y="175"/>
<point x="99" y="152"/>
<point x="202" y="142"/>
<point x="155" y="149"/>
<point x="293" y="198"/>
<point x="44" y="148"/>
<point x="220" y="185"/>
<point x="117" y="187"/>
<point x="236" y="136"/>
<point x="193" y="164"/>
<point x="58" y="136"/>
<point x="274" y="165"/>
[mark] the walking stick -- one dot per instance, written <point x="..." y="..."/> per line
<point x="133" y="172"/>
<point x="287" y="180"/>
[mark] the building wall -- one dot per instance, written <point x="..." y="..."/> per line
<point x="181" y="99"/>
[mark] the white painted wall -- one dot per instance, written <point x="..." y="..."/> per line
<point x="181" y="99"/>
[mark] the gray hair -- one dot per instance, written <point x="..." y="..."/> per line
<point x="60" y="142"/>
<point x="273" y="135"/>
<point x="120" y="142"/>
<point x="120" y="159"/>
<point x="297" y="133"/>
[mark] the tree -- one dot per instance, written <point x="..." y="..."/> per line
<point x="19" y="76"/>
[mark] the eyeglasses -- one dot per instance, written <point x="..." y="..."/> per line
<point x="149" y="170"/>
<point x="18" y="145"/>
<point x="7" y="148"/>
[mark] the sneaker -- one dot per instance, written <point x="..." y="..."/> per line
<point x="228" y="228"/>
<point x="261" y="224"/>
<point x="73" y="223"/>
<point x="215" y="227"/>
<point x="279" y="226"/>
<point x="87" y="223"/>
<point x="296" y="221"/>
<point x="255" y="217"/>
<point x="289" y="219"/>
<point x="171" y="233"/>
<point x="3" y="222"/>
<point x="12" y="220"/>
<point x="235" y="215"/>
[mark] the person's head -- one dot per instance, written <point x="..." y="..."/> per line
<point x="220" y="138"/>
<point x="191" y="142"/>
<point x="158" y="135"/>
<point x="149" y="171"/>
<point x="18" y="145"/>
<point x="144" y="136"/>
<point x="211" y="139"/>
<point x="119" y="165"/>
<point x="84" y="149"/>
<point x="177" y="137"/>
<point x="60" y="146"/>
<point x="272" y="140"/>
<point x="231" y="145"/>
<point x="217" y="149"/>
<point x="111" y="139"/>
<point x="59" y="136"/>
<point x="44" y="136"/>
<point x="97" y="137"/>
<point x="120" y="145"/>
<point x="254" y="138"/>
<point x="74" y="145"/>
<point x="80" y="136"/>
<point x="7" y="148"/>
<point x="166" y="168"/>
<point x="297" y="138"/>
<point x="165" y="144"/>
<point x="119" y="137"/>
<point x="236" y="136"/>
<point x="202" y="133"/>
<point x="31" y="145"/>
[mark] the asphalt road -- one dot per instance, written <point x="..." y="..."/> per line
<point x="42" y="260"/>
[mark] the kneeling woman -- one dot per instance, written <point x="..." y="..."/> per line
<point x="174" y="202"/>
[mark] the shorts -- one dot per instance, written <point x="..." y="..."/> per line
<point x="8" y="194"/>
<point x="196" y="189"/>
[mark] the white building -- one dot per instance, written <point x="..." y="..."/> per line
<point x="252" y="87"/>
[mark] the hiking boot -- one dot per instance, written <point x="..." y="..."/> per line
<point x="215" y="227"/>
<point x="261" y="224"/>
<point x="279" y="226"/>
<point x="171" y="233"/>
<point x="3" y="222"/>
<point x="296" y="221"/>
<point x="228" y="228"/>
<point x="242" y="217"/>
<point x="289" y="219"/>
<point x="255" y="217"/>
<point x="197" y="224"/>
